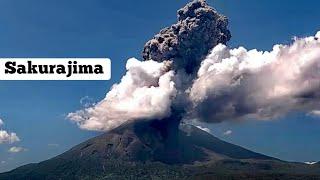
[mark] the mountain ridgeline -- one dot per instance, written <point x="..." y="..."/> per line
<point x="140" y="151"/>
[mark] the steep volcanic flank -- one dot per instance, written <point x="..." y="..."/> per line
<point x="142" y="141"/>
<point x="136" y="143"/>
<point x="139" y="151"/>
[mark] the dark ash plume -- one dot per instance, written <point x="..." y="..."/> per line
<point x="186" y="43"/>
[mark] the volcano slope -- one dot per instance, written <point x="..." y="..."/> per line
<point x="141" y="151"/>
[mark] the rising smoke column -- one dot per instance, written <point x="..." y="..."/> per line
<point x="155" y="88"/>
<point x="188" y="73"/>
<point x="186" y="43"/>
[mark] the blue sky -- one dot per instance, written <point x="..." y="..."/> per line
<point x="36" y="110"/>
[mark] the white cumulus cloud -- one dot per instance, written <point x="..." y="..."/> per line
<point x="239" y="83"/>
<point x="6" y="137"/>
<point x="145" y="92"/>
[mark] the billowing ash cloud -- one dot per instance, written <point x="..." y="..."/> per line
<point x="199" y="29"/>
<point x="183" y="81"/>
<point x="150" y="90"/>
<point x="146" y="91"/>
<point x="6" y="137"/>
<point x="237" y="84"/>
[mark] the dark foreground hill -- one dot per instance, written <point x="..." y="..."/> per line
<point x="141" y="151"/>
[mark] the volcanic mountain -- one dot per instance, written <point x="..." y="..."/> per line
<point x="140" y="151"/>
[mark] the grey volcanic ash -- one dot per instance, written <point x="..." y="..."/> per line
<point x="151" y="90"/>
<point x="186" y="43"/>
<point x="189" y="73"/>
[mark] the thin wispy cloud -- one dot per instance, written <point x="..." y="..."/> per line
<point x="53" y="145"/>
<point x="315" y="113"/>
<point x="227" y="133"/>
<point x="16" y="149"/>
<point x="87" y="102"/>
<point x="310" y="163"/>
